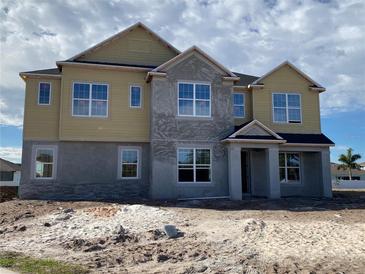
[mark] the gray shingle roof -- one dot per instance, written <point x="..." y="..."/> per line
<point x="8" y="166"/>
<point x="245" y="79"/>
<point x="52" y="71"/>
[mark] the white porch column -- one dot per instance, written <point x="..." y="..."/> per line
<point x="273" y="172"/>
<point x="326" y="173"/>
<point x="234" y="172"/>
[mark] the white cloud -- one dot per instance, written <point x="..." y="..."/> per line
<point x="12" y="154"/>
<point x="324" y="38"/>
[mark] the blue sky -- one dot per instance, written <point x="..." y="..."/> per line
<point x="323" y="38"/>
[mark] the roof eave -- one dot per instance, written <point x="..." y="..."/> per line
<point x="261" y="141"/>
<point x="102" y="66"/>
<point x="25" y="75"/>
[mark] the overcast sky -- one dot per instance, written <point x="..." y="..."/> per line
<point x="323" y="38"/>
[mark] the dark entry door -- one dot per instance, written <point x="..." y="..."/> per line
<point x="245" y="172"/>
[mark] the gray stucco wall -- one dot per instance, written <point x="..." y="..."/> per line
<point x="311" y="184"/>
<point x="169" y="131"/>
<point x="85" y="170"/>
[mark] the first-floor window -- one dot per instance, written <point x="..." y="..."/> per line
<point x="90" y="100"/>
<point x="130" y="163"/>
<point x="6" y="175"/>
<point x="44" y="163"/>
<point x="44" y="93"/>
<point x="289" y="166"/>
<point x="194" y="165"/>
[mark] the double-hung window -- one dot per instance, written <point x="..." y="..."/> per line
<point x="238" y="105"/>
<point x="287" y="108"/>
<point x="194" y="99"/>
<point x="90" y="100"/>
<point x="135" y="96"/>
<point x="194" y="165"/>
<point x="44" y="162"/>
<point x="44" y="93"/>
<point x="129" y="163"/>
<point x="289" y="167"/>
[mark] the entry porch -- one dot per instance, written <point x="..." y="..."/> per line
<point x="278" y="170"/>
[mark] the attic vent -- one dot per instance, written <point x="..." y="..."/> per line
<point x="139" y="45"/>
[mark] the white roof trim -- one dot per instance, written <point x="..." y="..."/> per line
<point x="120" y="34"/>
<point x="261" y="141"/>
<point x="258" y="123"/>
<point x="293" y="67"/>
<point x="230" y="78"/>
<point x="309" y="145"/>
<point x="22" y="74"/>
<point x="102" y="66"/>
<point x="200" y="51"/>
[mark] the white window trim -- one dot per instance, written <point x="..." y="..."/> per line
<point x="238" y="105"/>
<point x="287" y="108"/>
<point x="90" y="99"/>
<point x="291" y="182"/>
<point x="34" y="160"/>
<point x="139" y="162"/>
<point x="130" y="96"/>
<point x="50" y="93"/>
<point x="194" y="99"/>
<point x="194" y="165"/>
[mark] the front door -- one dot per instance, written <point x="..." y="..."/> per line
<point x="245" y="171"/>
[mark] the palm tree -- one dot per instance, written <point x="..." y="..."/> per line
<point x="349" y="161"/>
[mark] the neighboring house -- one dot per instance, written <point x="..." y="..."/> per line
<point x="362" y="166"/>
<point x="134" y="117"/>
<point x="344" y="174"/>
<point x="9" y="173"/>
<point x="9" y="179"/>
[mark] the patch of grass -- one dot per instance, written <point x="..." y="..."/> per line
<point x="24" y="264"/>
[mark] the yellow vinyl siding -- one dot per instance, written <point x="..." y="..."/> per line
<point x="137" y="47"/>
<point x="122" y="124"/>
<point x="41" y="121"/>
<point x="248" y="106"/>
<point x="287" y="80"/>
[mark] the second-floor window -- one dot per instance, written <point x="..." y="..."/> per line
<point x="135" y="96"/>
<point x="238" y="105"/>
<point x="44" y="93"/>
<point x="286" y="108"/>
<point x="90" y="100"/>
<point x="194" y="99"/>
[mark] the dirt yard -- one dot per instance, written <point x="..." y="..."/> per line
<point x="253" y="236"/>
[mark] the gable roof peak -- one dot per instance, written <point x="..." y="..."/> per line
<point x="201" y="52"/>
<point x="122" y="33"/>
<point x="255" y="122"/>
<point x="291" y="65"/>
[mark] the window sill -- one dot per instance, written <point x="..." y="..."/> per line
<point x="43" y="179"/>
<point x="91" y="117"/>
<point x="210" y="118"/>
<point x="293" y="183"/>
<point x="194" y="184"/>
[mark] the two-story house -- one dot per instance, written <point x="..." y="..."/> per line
<point x="134" y="117"/>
